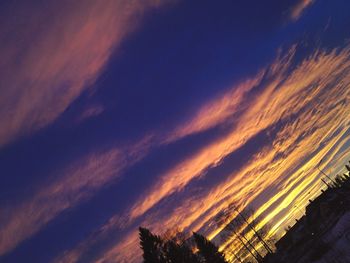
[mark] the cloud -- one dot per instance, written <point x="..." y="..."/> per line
<point x="217" y="111"/>
<point x="54" y="53"/>
<point x="78" y="182"/>
<point x="305" y="103"/>
<point x="303" y="106"/>
<point x="298" y="9"/>
<point x="246" y="127"/>
<point x="90" y="112"/>
<point x="64" y="190"/>
<point x="84" y="177"/>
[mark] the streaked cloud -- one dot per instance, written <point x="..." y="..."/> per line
<point x="78" y="183"/>
<point x="217" y="111"/>
<point x="90" y="112"/>
<point x="248" y="125"/>
<point x="304" y="105"/>
<point x="298" y="9"/>
<point x="85" y="177"/>
<point x="63" y="190"/>
<point x="57" y="52"/>
<point x="285" y="118"/>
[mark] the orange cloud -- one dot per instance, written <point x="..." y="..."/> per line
<point x="249" y="125"/>
<point x="217" y="111"/>
<point x="310" y="103"/>
<point x="307" y="104"/>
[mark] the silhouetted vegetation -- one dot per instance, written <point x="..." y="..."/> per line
<point x="341" y="180"/>
<point x="160" y="250"/>
<point x="246" y="242"/>
<point x="241" y="229"/>
<point x="208" y="250"/>
<point x="152" y="247"/>
<point x="311" y="238"/>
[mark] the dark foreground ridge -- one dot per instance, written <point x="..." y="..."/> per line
<point x="322" y="235"/>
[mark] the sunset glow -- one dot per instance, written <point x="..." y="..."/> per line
<point x="119" y="114"/>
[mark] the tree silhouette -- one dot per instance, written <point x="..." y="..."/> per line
<point x="243" y="227"/>
<point x="208" y="250"/>
<point x="180" y="253"/>
<point x="152" y="247"/>
<point x="341" y="181"/>
<point x="159" y="250"/>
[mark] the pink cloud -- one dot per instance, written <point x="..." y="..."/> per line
<point x="90" y="112"/>
<point x="74" y="184"/>
<point x="55" y="52"/>
<point x="299" y="8"/>
<point x="285" y="93"/>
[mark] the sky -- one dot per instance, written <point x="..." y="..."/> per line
<point x="117" y="114"/>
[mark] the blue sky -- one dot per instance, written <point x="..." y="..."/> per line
<point x="116" y="114"/>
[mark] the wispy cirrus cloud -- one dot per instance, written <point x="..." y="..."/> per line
<point x="90" y="112"/>
<point x="298" y="9"/>
<point x="301" y="108"/>
<point x="77" y="183"/>
<point x="308" y="99"/>
<point x="56" y="52"/>
<point x="216" y="111"/>
<point x="247" y="125"/>
<point x="65" y="189"/>
<point x="88" y="175"/>
<point x="306" y="107"/>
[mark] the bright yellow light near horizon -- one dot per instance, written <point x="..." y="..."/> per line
<point x="299" y="195"/>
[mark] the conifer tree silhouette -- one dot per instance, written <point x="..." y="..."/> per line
<point x="157" y="250"/>
<point x="208" y="250"/>
<point x="152" y="247"/>
<point x="180" y="253"/>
